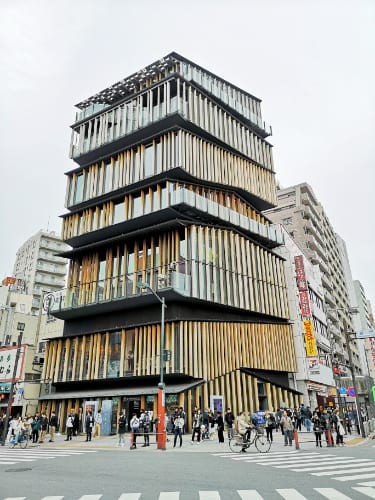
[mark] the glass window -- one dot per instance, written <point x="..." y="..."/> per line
<point x="108" y="177"/>
<point x="137" y="207"/>
<point x="158" y="158"/>
<point x="79" y="189"/>
<point x="119" y="214"/>
<point x="114" y="355"/>
<point x="102" y="356"/>
<point x="86" y="359"/>
<point x="149" y="161"/>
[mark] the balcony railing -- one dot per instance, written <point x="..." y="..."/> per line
<point x="118" y="288"/>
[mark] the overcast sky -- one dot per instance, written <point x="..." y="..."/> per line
<point x="311" y="63"/>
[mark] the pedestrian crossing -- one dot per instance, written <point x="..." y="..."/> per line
<point x="339" y="468"/>
<point x="14" y="455"/>
<point x="282" y="493"/>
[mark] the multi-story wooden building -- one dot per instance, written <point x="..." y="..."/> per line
<point x="172" y="172"/>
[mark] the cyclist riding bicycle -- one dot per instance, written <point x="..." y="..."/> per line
<point x="243" y="427"/>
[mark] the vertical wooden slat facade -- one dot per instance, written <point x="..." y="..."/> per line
<point x="179" y="209"/>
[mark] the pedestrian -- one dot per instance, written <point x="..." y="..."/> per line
<point x="317" y="428"/>
<point x="299" y="418"/>
<point x="220" y="427"/>
<point x="308" y="416"/>
<point x="288" y="427"/>
<point x="229" y="421"/>
<point x="197" y="422"/>
<point x="121" y="429"/>
<point x="19" y="429"/>
<point x="183" y="415"/>
<point x="270" y="425"/>
<point x="326" y="420"/>
<point x="27" y="423"/>
<point x="340" y="434"/>
<point x="179" y="423"/>
<point x="134" y="426"/>
<point x="69" y="427"/>
<point x="144" y="425"/>
<point x="278" y="416"/>
<point x="98" y="424"/>
<point x="43" y="428"/>
<point x="212" y="426"/>
<point x="52" y="427"/>
<point x="77" y="421"/>
<point x="35" y="426"/>
<point x="89" y="425"/>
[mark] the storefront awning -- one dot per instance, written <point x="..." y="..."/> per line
<point x="126" y="391"/>
<point x="272" y="379"/>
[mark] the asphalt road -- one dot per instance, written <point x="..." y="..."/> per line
<point x="193" y="473"/>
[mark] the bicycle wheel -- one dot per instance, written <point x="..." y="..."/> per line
<point x="23" y="442"/>
<point x="236" y="444"/>
<point x="261" y="444"/>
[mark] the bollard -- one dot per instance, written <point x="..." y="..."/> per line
<point x="329" y="437"/>
<point x="296" y="439"/>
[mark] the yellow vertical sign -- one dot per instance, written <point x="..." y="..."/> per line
<point x="309" y="338"/>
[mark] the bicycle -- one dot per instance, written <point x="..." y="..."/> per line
<point x="253" y="435"/>
<point x="23" y="440"/>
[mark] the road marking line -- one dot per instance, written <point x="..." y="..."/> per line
<point x="332" y="494"/>
<point x="209" y="495"/>
<point x="249" y="495"/>
<point x="129" y="496"/>
<point x="350" y="471"/>
<point x="15" y="498"/>
<point x="91" y="497"/>
<point x="367" y="483"/>
<point x="169" y="495"/>
<point x="291" y="494"/>
<point x="6" y="463"/>
<point x="348" y="463"/>
<point x="354" y="478"/>
<point x="369" y="492"/>
<point x="52" y="498"/>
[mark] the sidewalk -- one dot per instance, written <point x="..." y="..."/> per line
<point x="306" y="442"/>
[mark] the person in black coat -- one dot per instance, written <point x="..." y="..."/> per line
<point x="89" y="424"/>
<point x="229" y="420"/>
<point x="220" y="426"/>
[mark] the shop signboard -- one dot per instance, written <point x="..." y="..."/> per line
<point x="311" y="350"/>
<point x="106" y="417"/>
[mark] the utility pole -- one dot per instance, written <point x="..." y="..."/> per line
<point x="10" y="401"/>
<point x="349" y="338"/>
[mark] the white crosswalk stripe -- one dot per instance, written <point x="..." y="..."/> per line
<point x="340" y="468"/>
<point x="13" y="456"/>
<point x="285" y="493"/>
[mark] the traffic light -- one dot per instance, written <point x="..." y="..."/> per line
<point x="167" y="355"/>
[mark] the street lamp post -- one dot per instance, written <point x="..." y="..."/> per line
<point x="161" y="432"/>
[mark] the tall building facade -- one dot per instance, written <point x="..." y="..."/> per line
<point x="172" y="170"/>
<point x="314" y="377"/>
<point x="38" y="268"/>
<point x="303" y="216"/>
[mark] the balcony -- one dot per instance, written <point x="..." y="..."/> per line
<point x="329" y="298"/>
<point x="326" y="282"/>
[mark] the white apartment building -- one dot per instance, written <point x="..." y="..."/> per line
<point x="314" y="378"/>
<point x="38" y="268"/>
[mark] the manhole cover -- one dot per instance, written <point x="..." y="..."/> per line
<point x="18" y="470"/>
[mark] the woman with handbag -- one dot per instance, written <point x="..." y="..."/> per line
<point x="270" y="425"/>
<point x="317" y="428"/>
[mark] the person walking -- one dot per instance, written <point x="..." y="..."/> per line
<point x="89" y="424"/>
<point x="220" y="427"/>
<point x="52" y="427"/>
<point x="197" y="422"/>
<point x="134" y="426"/>
<point x="229" y="421"/>
<point x="288" y="427"/>
<point x="270" y="425"/>
<point x="121" y="428"/>
<point x="43" y="428"/>
<point x="144" y="425"/>
<point x="35" y="427"/>
<point x="179" y="423"/>
<point x="308" y="416"/>
<point x="317" y="428"/>
<point x="69" y="427"/>
<point x="98" y="424"/>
